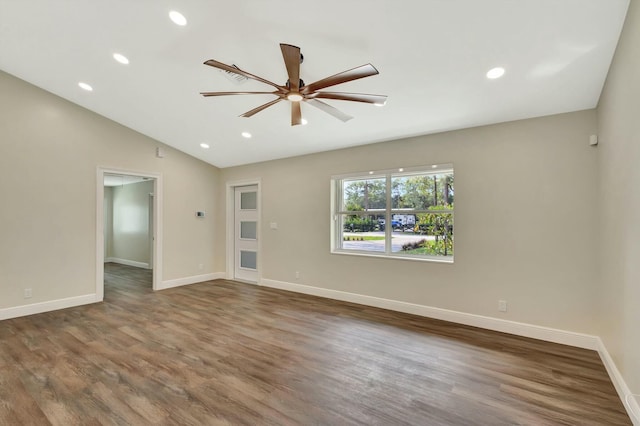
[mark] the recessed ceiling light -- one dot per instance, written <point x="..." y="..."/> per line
<point x="246" y="135"/>
<point x="435" y="166"/>
<point x="495" y="73"/>
<point x="401" y="169"/>
<point x="304" y="121"/>
<point x="371" y="172"/>
<point x="205" y="145"/>
<point x="85" y="86"/>
<point x="120" y="58"/>
<point x="178" y="18"/>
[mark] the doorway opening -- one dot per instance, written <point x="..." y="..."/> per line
<point x="128" y="229"/>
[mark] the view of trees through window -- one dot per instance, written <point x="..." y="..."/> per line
<point x="397" y="213"/>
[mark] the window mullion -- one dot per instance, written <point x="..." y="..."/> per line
<point x="388" y="229"/>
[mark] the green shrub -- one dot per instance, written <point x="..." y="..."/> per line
<point x="359" y="224"/>
<point x="441" y="247"/>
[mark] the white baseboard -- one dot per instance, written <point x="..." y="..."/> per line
<point x="570" y="338"/>
<point x="630" y="403"/>
<point x="191" y="280"/>
<point x="52" y="305"/>
<point x="127" y="262"/>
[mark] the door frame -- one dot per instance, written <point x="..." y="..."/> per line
<point x="230" y="228"/>
<point x="157" y="225"/>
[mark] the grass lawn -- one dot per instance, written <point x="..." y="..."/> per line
<point x="363" y="238"/>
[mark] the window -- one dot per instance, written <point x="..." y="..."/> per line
<point x="399" y="213"/>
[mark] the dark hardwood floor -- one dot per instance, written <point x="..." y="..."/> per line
<point x="228" y="353"/>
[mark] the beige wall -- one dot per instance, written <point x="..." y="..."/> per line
<point x="526" y="222"/>
<point x="619" y="203"/>
<point x="49" y="153"/>
<point x="130" y="222"/>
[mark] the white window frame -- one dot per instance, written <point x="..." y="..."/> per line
<point x="337" y="192"/>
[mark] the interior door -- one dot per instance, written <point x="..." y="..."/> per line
<point x="247" y="229"/>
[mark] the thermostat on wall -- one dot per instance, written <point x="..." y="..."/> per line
<point x="199" y="214"/>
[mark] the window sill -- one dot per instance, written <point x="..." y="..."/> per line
<point x="434" y="259"/>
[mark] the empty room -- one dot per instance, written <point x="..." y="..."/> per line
<point x="320" y="213"/>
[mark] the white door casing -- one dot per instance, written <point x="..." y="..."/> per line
<point x="157" y="226"/>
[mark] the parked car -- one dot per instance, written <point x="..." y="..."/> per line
<point x="395" y="224"/>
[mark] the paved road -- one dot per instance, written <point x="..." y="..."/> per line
<point x="397" y="241"/>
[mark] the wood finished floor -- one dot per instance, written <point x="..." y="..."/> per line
<point x="227" y="353"/>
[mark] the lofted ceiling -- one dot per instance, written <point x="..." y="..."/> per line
<point x="433" y="56"/>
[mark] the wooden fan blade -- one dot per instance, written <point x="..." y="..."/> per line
<point x="260" y="108"/>
<point x="329" y="109"/>
<point x="296" y="114"/>
<point x="349" y="75"/>
<point x="291" y="55"/>
<point x="235" y="70"/>
<point x="356" y="97"/>
<point x="240" y="93"/>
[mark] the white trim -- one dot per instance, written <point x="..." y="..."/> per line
<point x="99" y="234"/>
<point x="629" y="402"/>
<point x="191" y="280"/>
<point x="157" y="225"/>
<point x="394" y="255"/>
<point x="127" y="262"/>
<point x="230" y="228"/>
<point x="579" y="340"/>
<point x="158" y="212"/>
<point x="52" y="305"/>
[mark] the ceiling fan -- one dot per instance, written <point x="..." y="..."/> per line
<point x="295" y="91"/>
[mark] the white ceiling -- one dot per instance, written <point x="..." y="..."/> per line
<point x="432" y="56"/>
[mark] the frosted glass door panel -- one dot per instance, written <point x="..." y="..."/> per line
<point x="249" y="230"/>
<point x="248" y="201"/>
<point x="249" y="259"/>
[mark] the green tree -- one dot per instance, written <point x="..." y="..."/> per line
<point x="439" y="225"/>
<point x="362" y="195"/>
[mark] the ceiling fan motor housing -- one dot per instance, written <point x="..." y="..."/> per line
<point x="288" y="84"/>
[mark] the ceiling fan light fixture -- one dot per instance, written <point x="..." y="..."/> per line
<point x="294" y="97"/>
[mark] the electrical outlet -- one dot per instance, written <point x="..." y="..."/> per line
<point x="27" y="293"/>
<point x="502" y="305"/>
<point x="297" y="275"/>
